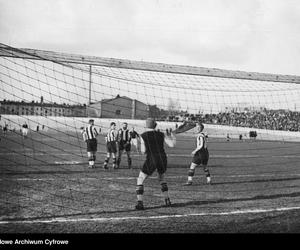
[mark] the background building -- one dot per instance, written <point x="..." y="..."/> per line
<point x="119" y="107"/>
<point x="41" y="109"/>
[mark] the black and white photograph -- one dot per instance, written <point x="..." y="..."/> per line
<point x="148" y="117"/>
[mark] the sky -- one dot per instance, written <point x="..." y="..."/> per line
<point x="248" y="35"/>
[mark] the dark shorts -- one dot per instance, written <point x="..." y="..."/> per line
<point x="155" y="162"/>
<point x="125" y="146"/>
<point x="201" y="157"/>
<point x="111" y="147"/>
<point x="91" y="145"/>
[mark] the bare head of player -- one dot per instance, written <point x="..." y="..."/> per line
<point x="200" y="127"/>
<point x="151" y="123"/>
<point x="125" y="125"/>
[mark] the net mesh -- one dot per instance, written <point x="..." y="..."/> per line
<point x="56" y="94"/>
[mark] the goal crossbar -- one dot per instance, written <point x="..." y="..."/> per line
<point x="34" y="54"/>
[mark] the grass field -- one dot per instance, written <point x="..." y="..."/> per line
<point x="46" y="187"/>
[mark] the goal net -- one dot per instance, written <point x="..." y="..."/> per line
<point x="56" y="94"/>
<point x="230" y="102"/>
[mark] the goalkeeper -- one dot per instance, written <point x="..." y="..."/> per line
<point x="152" y="144"/>
<point x="200" y="156"/>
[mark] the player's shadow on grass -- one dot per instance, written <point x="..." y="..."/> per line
<point x="37" y="172"/>
<point x="257" y="181"/>
<point x="217" y="201"/>
<point x="174" y="205"/>
<point x="74" y="215"/>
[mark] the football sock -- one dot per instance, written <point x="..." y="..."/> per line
<point x="164" y="189"/>
<point x="140" y="186"/>
<point x="114" y="162"/>
<point x="140" y="192"/>
<point x="191" y="174"/>
<point x="207" y="172"/>
<point x="91" y="160"/>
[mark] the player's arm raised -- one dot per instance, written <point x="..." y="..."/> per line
<point x="142" y="145"/>
<point x="186" y="126"/>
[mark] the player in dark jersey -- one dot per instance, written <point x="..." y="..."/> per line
<point x="134" y="134"/>
<point x="152" y="144"/>
<point x="24" y="130"/>
<point x="200" y="156"/>
<point x="135" y="139"/>
<point x="227" y="137"/>
<point x="89" y="134"/>
<point x="124" y="140"/>
<point x="5" y="129"/>
<point x="111" y="145"/>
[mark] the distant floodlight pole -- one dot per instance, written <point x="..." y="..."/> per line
<point x="90" y="85"/>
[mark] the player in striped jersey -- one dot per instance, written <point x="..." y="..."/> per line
<point x="124" y="140"/>
<point x="200" y="156"/>
<point x="89" y="134"/>
<point x="111" y="145"/>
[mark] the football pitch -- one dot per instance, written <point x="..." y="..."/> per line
<point x="47" y="187"/>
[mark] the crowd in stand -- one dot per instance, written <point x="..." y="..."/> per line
<point x="266" y="119"/>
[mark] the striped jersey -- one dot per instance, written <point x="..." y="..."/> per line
<point x="111" y="135"/>
<point x="124" y="135"/>
<point x="90" y="132"/>
<point x="201" y="141"/>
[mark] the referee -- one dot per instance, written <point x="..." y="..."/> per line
<point x="89" y="136"/>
